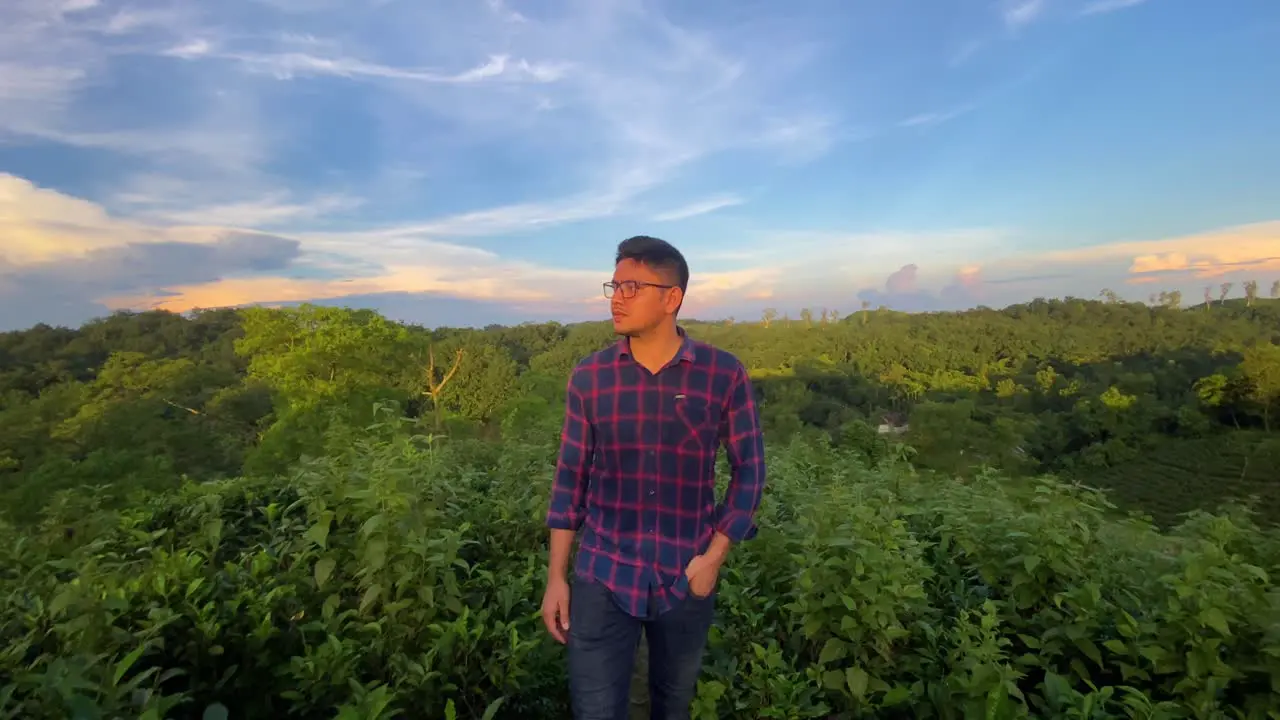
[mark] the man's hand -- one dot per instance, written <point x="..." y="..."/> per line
<point x="555" y="608"/>
<point x="702" y="572"/>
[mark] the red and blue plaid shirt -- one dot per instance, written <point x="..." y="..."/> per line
<point x="637" y="468"/>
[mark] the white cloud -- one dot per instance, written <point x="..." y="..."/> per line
<point x="1018" y="13"/>
<point x="271" y="211"/>
<point x="1098" y="7"/>
<point x="288" y="65"/>
<point x="50" y="234"/>
<point x="700" y="207"/>
<point x="926" y="119"/>
<point x="621" y="97"/>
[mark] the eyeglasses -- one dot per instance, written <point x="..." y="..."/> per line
<point x="629" y="288"/>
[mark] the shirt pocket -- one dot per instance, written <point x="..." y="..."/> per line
<point x="694" y="424"/>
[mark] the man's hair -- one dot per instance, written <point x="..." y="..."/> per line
<point x="657" y="254"/>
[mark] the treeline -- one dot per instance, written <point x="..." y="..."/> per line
<point x="1094" y="391"/>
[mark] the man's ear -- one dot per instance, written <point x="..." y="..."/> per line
<point x="675" y="298"/>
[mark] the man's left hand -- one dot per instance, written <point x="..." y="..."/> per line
<point x="702" y="572"/>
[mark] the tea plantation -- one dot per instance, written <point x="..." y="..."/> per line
<point x="400" y="577"/>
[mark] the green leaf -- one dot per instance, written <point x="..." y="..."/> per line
<point x="123" y="666"/>
<point x="376" y="554"/>
<point x="216" y="711"/>
<point x="897" y="694"/>
<point x="1214" y="618"/>
<point x="1154" y="653"/>
<point x="450" y="712"/>
<point x="492" y="711"/>
<point x="857" y="678"/>
<point x="319" y="533"/>
<point x="324" y="568"/>
<point x="833" y="649"/>
<point x="82" y="708"/>
<point x="1030" y="562"/>
<point x="833" y="680"/>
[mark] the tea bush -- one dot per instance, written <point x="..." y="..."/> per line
<point x="401" y="577"/>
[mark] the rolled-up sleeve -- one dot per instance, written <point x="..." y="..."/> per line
<point x="740" y="434"/>
<point x="568" y="492"/>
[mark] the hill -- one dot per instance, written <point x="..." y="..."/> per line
<point x="318" y="512"/>
<point x="1082" y="389"/>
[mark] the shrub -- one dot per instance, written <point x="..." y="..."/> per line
<point x="401" y="577"/>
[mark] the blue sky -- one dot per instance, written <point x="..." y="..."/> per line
<point x="468" y="161"/>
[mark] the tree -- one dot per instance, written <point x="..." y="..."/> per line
<point x="768" y="316"/>
<point x="1110" y="295"/>
<point x="1225" y="289"/>
<point x="485" y="381"/>
<point x="436" y="381"/>
<point x="1275" y="289"/>
<point x="1260" y="369"/>
<point x="1250" y="292"/>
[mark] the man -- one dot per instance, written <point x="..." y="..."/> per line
<point x="644" y="420"/>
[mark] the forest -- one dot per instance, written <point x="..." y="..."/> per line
<point x="1065" y="508"/>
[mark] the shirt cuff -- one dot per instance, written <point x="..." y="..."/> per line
<point x="737" y="526"/>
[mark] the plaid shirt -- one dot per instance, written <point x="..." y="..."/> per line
<point x="637" y="468"/>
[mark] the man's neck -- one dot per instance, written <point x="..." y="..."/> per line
<point x="656" y="348"/>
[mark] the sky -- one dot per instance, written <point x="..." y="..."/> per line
<point x="464" y="162"/>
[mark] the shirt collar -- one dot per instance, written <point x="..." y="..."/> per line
<point x="685" y="353"/>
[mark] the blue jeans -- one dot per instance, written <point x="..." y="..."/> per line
<point x="602" y="649"/>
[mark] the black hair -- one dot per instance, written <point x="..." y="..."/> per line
<point x="658" y="254"/>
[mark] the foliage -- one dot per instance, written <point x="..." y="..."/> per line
<point x="399" y="577"/>
<point x="1087" y="390"/>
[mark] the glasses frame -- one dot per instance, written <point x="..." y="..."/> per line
<point x="610" y="287"/>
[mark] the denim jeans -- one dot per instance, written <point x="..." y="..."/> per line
<point x="602" y="649"/>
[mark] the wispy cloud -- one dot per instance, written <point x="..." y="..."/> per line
<point x="288" y="65"/>
<point x="1098" y="7"/>
<point x="1019" y="13"/>
<point x="936" y="118"/>
<point x="964" y="52"/>
<point x="54" y="240"/>
<point x="623" y="98"/>
<point x="701" y="207"/>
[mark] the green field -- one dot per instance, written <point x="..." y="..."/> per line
<point x="1178" y="476"/>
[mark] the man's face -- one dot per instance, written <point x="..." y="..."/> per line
<point x="647" y="308"/>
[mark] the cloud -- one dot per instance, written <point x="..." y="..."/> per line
<point x="58" y="58"/>
<point x="69" y="259"/>
<point x="1000" y="273"/>
<point x="1098" y="7"/>
<point x="79" y="288"/>
<point x="289" y="65"/>
<point x="936" y="118"/>
<point x="276" y="209"/>
<point x="700" y="207"/>
<point x="616" y="95"/>
<point x="1207" y="255"/>
<point x="1019" y="13"/>
<point x="901" y="291"/>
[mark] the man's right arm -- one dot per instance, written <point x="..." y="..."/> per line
<point x="569" y="491"/>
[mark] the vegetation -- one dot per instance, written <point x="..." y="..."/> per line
<point x="318" y="512"/>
